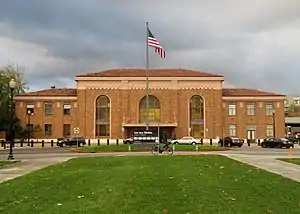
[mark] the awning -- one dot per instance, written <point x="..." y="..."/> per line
<point x="150" y="124"/>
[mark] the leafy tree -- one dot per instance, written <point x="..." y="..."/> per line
<point x="8" y="72"/>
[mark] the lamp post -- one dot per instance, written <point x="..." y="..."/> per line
<point x="29" y="127"/>
<point x="12" y="85"/>
<point x="274" y="124"/>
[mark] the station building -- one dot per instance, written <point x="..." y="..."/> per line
<point x="112" y="104"/>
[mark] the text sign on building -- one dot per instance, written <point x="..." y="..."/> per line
<point x="76" y="130"/>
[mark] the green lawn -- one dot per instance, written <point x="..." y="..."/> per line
<point x="291" y="160"/>
<point x="149" y="185"/>
<point x="124" y="148"/>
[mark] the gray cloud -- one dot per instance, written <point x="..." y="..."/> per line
<point x="253" y="43"/>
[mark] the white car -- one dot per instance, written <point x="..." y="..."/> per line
<point x="186" y="140"/>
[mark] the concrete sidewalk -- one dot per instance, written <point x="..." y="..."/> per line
<point x="269" y="163"/>
<point x="27" y="166"/>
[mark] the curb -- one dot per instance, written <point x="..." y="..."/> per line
<point x="106" y="152"/>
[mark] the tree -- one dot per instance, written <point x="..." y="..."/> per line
<point x="8" y="72"/>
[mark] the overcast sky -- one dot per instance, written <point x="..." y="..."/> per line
<point x="254" y="44"/>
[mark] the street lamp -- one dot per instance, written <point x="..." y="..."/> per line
<point x="29" y="127"/>
<point x="12" y="85"/>
<point x="274" y="124"/>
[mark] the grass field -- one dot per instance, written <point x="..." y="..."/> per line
<point x="291" y="160"/>
<point x="150" y="184"/>
<point x="124" y="148"/>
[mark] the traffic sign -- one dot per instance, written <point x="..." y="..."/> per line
<point x="76" y="130"/>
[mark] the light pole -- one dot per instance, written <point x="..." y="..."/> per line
<point x="29" y="127"/>
<point x="274" y="124"/>
<point x="12" y="85"/>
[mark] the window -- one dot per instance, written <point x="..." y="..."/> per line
<point x="232" y="109"/>
<point x="296" y="102"/>
<point x="250" y="109"/>
<point x="48" y="109"/>
<point x="196" y="116"/>
<point x="269" y="131"/>
<point x="66" y="130"/>
<point x="67" y="108"/>
<point x="102" y="116"/>
<point x="48" y="129"/>
<point x="232" y="130"/>
<point x="269" y="109"/>
<point x="153" y="109"/>
<point x="30" y="108"/>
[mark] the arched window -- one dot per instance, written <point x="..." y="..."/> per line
<point x="153" y="109"/>
<point x="197" y="116"/>
<point x="102" y="116"/>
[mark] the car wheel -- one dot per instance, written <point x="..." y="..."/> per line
<point x="240" y="146"/>
<point x="80" y="144"/>
<point x="175" y="142"/>
<point x="193" y="143"/>
<point x="263" y="145"/>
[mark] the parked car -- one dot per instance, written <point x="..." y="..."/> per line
<point x="128" y="140"/>
<point x="277" y="143"/>
<point x="72" y="141"/>
<point x="186" y="140"/>
<point x="231" y="142"/>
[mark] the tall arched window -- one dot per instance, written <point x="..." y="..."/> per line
<point x="102" y="116"/>
<point x="153" y="109"/>
<point x="197" y="116"/>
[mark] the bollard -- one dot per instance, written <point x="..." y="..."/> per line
<point x="197" y="148"/>
<point x="89" y="142"/>
<point x="248" y="142"/>
<point x="210" y="142"/>
<point x="21" y="143"/>
<point x="201" y="141"/>
<point x="117" y="142"/>
<point x="43" y="143"/>
<point x="98" y="143"/>
<point x="31" y="143"/>
<point x="290" y="152"/>
<point x="129" y="147"/>
<point x="4" y="147"/>
<point x="107" y="141"/>
<point x="51" y="143"/>
<point x="258" y="142"/>
<point x="2" y="143"/>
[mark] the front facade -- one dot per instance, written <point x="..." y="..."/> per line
<point x="111" y="104"/>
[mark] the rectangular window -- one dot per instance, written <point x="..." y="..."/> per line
<point x="296" y="102"/>
<point x="30" y="108"/>
<point x="48" y="109"/>
<point x="67" y="108"/>
<point x="251" y="109"/>
<point x="48" y="129"/>
<point x="269" y="131"/>
<point x="102" y="130"/>
<point x="232" y="109"/>
<point x="66" y="130"/>
<point x="232" y="130"/>
<point x="269" y="109"/>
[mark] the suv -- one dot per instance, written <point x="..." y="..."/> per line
<point x="231" y="141"/>
<point x="72" y="141"/>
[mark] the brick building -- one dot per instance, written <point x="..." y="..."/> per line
<point x="111" y="104"/>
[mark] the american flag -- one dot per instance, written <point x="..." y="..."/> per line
<point x="152" y="42"/>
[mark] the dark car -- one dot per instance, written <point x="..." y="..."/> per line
<point x="277" y="143"/>
<point x="72" y="141"/>
<point x="231" y="142"/>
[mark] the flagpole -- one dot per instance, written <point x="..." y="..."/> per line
<point x="147" y="79"/>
